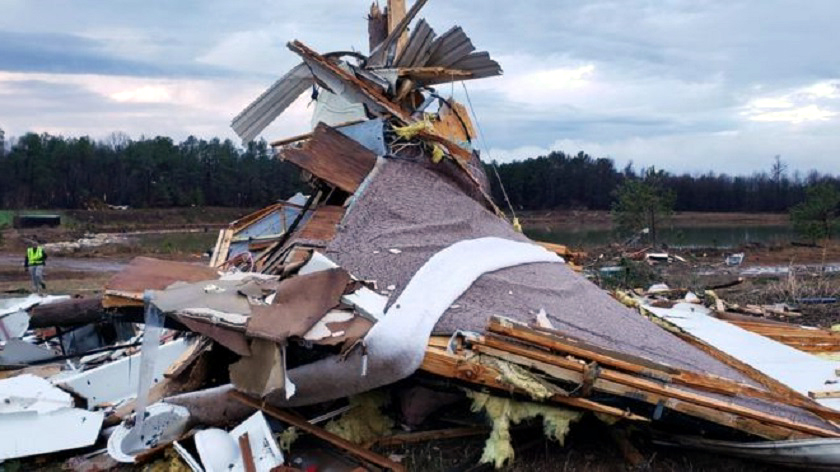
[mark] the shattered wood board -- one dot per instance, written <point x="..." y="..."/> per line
<point x="298" y="305"/>
<point x="798" y="370"/>
<point x="333" y="157"/>
<point x="454" y="124"/>
<point x="323" y="224"/>
<point x="145" y="273"/>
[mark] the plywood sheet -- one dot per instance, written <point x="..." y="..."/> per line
<point x="334" y="158"/>
<point x="323" y="224"/>
<point x="145" y="273"/>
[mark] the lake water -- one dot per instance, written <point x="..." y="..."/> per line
<point x="682" y="237"/>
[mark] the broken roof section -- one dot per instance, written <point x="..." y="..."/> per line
<point x="394" y="65"/>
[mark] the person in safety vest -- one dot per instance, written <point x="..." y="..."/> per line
<point x="34" y="263"/>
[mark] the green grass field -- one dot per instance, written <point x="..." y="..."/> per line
<point x="6" y="218"/>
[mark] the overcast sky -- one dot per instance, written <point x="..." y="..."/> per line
<point x="686" y="85"/>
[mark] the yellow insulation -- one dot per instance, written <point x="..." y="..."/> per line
<point x="504" y="412"/>
<point x="364" y="422"/>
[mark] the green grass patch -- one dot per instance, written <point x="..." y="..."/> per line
<point x="6" y="217"/>
<point x="177" y="243"/>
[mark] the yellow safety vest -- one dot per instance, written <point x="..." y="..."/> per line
<point x="35" y="256"/>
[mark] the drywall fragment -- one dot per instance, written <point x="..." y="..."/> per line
<point x="29" y="407"/>
<point x="117" y="381"/>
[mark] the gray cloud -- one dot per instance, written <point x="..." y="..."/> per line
<point x="683" y="84"/>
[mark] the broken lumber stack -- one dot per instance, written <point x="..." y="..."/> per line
<point x="567" y="371"/>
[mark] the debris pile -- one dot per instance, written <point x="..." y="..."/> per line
<point x="394" y="290"/>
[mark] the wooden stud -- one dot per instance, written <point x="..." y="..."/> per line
<point x="321" y="433"/>
<point x="454" y="367"/>
<point x="659" y="389"/>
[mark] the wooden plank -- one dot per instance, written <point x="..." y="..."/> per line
<point x="454" y="123"/>
<point x="395" y="33"/>
<point x="454" y="367"/>
<point x="434" y="74"/>
<point x="425" y="436"/>
<point x="460" y="155"/>
<point x="377" y="26"/>
<point x="824" y="394"/>
<point x="224" y="249"/>
<point x="323" y="225"/>
<point x="791" y="396"/>
<point x="67" y="313"/>
<point x="145" y="273"/>
<point x="247" y="454"/>
<point x="706" y="382"/>
<point x="396" y="13"/>
<point x="301" y="137"/>
<point x="334" y="158"/>
<point x="321" y="433"/>
<point x="660" y="389"/>
<point x="601" y="384"/>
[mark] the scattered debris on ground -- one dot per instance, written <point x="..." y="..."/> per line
<point x="395" y="304"/>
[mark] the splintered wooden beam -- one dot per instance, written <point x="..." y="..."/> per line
<point x="453" y="367"/>
<point x="425" y="436"/>
<point x="824" y="394"/>
<point x="396" y="13"/>
<point x="433" y="74"/>
<point x="750" y="426"/>
<point x="651" y="387"/>
<point x="318" y="432"/>
<point x="549" y="340"/>
<point x="375" y="97"/>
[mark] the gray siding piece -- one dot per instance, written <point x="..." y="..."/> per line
<point x="336" y="84"/>
<point x="271" y="103"/>
<point x="451" y="47"/>
<point x="416" y="52"/>
<point x="480" y="64"/>
<point x="367" y="133"/>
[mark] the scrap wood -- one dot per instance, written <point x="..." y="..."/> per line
<point x="628" y="450"/>
<point x="824" y="394"/>
<point x="651" y="390"/>
<point x="375" y="97"/>
<point x="454" y="367"/>
<point x="333" y="157"/>
<point x="425" y="436"/>
<point x="301" y="137"/>
<point x="713" y="415"/>
<point x="189" y="356"/>
<point x="67" y="313"/>
<point x="547" y="339"/>
<point x="319" y="432"/>
<point x="396" y="32"/>
<point x="790" y="395"/>
<point x="247" y="455"/>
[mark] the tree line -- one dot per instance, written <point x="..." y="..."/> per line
<point x="579" y="181"/>
<point x="46" y="171"/>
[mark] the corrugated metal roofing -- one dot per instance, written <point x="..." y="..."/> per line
<point x="416" y="51"/>
<point x="268" y="106"/>
<point x="450" y="48"/>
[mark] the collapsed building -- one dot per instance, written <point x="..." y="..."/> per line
<point x="399" y="271"/>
